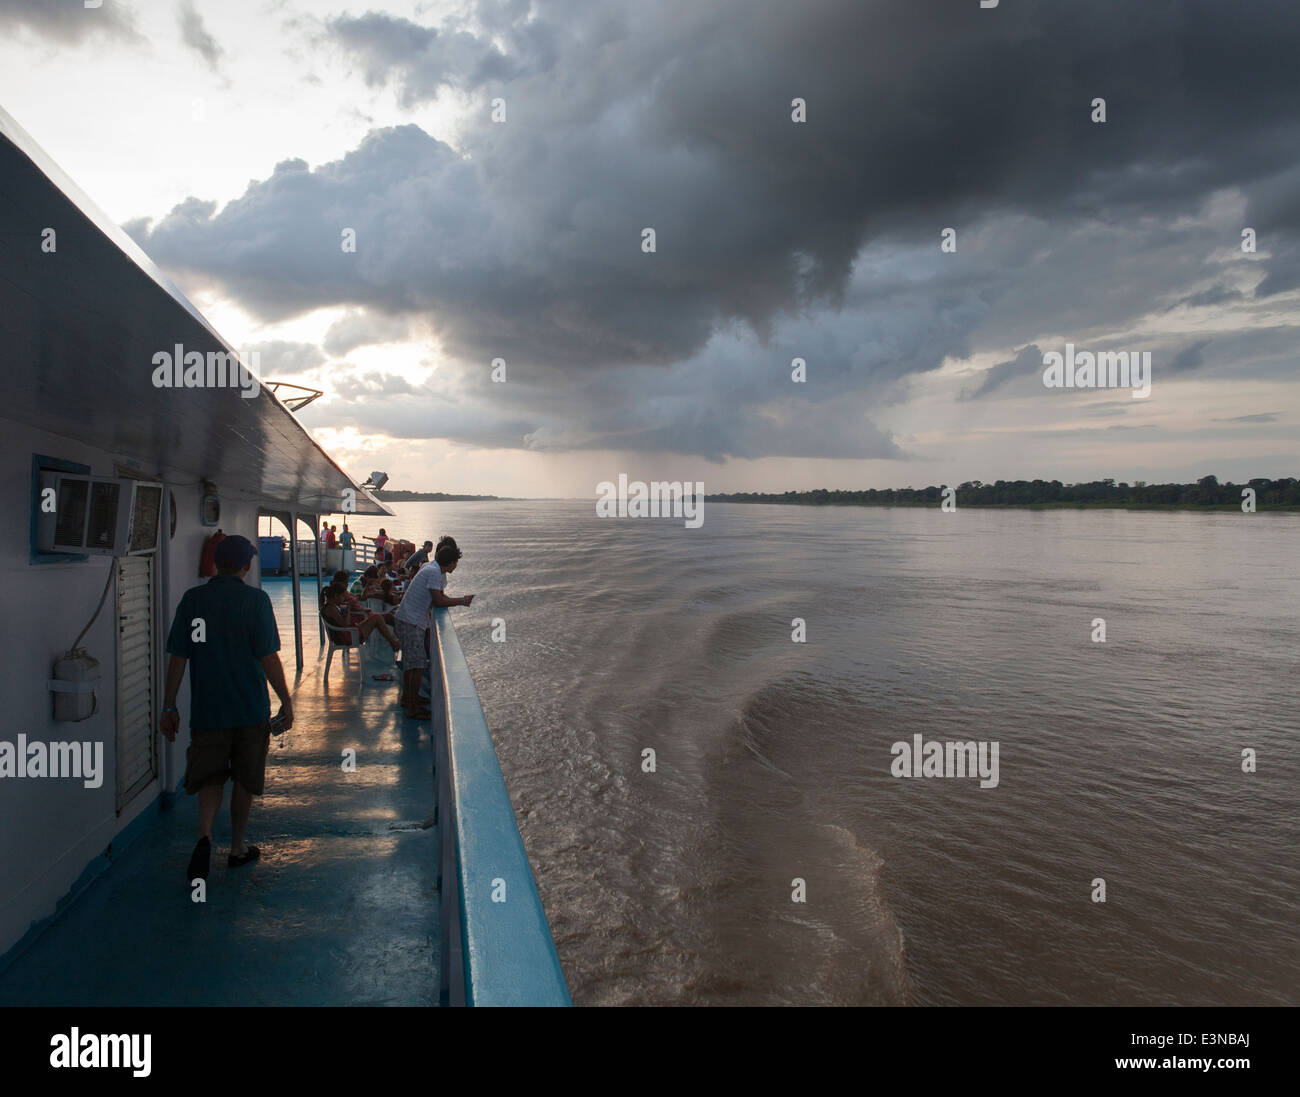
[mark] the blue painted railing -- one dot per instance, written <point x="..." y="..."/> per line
<point x="497" y="945"/>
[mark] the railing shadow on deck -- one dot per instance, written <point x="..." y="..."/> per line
<point x="497" y="944"/>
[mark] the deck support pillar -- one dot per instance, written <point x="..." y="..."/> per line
<point x="297" y="594"/>
<point x="315" y="529"/>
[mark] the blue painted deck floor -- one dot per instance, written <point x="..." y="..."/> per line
<point x="342" y="908"/>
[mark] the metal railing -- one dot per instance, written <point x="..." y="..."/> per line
<point x="497" y="944"/>
<point x="357" y="558"/>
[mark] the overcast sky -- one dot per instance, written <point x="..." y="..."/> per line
<point x="236" y="140"/>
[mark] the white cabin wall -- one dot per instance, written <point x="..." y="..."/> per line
<point x="52" y="828"/>
<point x="55" y="828"/>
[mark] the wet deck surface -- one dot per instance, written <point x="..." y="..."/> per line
<point x="342" y="908"/>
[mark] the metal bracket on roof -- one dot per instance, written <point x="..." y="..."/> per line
<point x="293" y="401"/>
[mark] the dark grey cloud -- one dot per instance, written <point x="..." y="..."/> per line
<point x="773" y="238"/>
<point x="1283" y="270"/>
<point x="1190" y="357"/>
<point x="69" y="21"/>
<point x="1028" y="360"/>
<point x="1251" y="353"/>
<point x="373" y="384"/>
<point x="419" y="60"/>
<point x="195" y="35"/>
<point x="1215" y="295"/>
<point x="1274" y="214"/>
<point x="363" y="329"/>
<point x="1107" y="409"/>
<point x="1258" y="417"/>
<point x="1087" y="430"/>
<point x="280" y="358"/>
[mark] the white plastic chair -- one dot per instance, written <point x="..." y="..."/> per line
<point x="344" y="639"/>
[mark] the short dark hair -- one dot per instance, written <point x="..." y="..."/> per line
<point x="341" y="577"/>
<point x="447" y="553"/>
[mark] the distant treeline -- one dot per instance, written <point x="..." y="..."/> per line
<point x="429" y="497"/>
<point x="1206" y="492"/>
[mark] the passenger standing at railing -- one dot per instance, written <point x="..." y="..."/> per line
<point x="380" y="542"/>
<point x="414" y="619"/>
<point x="346" y="559"/>
<point x="417" y="560"/>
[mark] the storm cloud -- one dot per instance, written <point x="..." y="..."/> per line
<point x="774" y="239"/>
<point x="1027" y="361"/>
<point x="69" y="21"/>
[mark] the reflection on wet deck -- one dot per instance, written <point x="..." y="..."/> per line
<point x="342" y="909"/>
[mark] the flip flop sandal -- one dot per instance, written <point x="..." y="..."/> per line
<point x="382" y="677"/>
<point x="251" y="854"/>
<point x="199" y="861"/>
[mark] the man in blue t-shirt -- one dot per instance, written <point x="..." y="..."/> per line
<point x="226" y="633"/>
<point x="417" y="560"/>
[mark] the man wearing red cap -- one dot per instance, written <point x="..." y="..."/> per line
<point x="226" y="632"/>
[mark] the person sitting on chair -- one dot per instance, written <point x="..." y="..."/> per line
<point x="337" y="616"/>
<point x="370" y="579"/>
<point x="353" y="603"/>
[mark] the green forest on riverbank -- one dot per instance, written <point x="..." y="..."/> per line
<point x="1205" y="493"/>
<point x="431" y="497"/>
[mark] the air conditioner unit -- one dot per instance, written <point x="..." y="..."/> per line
<point x="88" y="514"/>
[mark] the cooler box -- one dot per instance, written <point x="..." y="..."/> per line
<point x="270" y="552"/>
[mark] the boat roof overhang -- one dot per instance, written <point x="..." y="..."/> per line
<point x="79" y="329"/>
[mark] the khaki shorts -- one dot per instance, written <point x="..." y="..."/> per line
<point x="217" y="753"/>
